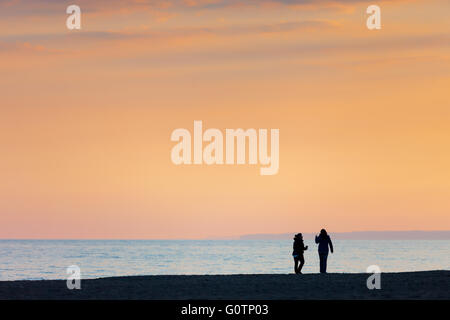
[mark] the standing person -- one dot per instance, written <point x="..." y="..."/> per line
<point x="323" y="239"/>
<point x="299" y="248"/>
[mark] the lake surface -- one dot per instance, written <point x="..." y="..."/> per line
<point x="49" y="259"/>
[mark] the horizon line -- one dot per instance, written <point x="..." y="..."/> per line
<point x="235" y="237"/>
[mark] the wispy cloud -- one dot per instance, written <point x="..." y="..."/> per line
<point x="233" y="30"/>
<point x="54" y="6"/>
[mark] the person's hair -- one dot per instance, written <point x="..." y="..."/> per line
<point x="323" y="233"/>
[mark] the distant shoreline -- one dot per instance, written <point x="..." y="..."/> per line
<point x="359" y="235"/>
<point x="403" y="285"/>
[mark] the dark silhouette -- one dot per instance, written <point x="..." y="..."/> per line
<point x="299" y="248"/>
<point x="323" y="239"/>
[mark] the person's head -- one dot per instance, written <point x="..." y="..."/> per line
<point x="298" y="236"/>
<point x="323" y="233"/>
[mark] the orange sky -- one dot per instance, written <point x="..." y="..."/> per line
<point x="86" y="117"/>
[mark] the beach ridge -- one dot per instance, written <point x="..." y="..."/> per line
<point x="394" y="285"/>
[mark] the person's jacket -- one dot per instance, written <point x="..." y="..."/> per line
<point x="324" y="242"/>
<point x="299" y="247"/>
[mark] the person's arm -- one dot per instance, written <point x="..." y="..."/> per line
<point x="331" y="244"/>
<point x="305" y="248"/>
<point x="317" y="239"/>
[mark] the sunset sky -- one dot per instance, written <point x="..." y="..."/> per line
<point x="86" y="117"/>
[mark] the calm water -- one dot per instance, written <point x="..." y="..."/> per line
<point x="49" y="259"/>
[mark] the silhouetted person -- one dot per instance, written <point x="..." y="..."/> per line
<point x="323" y="239"/>
<point x="299" y="248"/>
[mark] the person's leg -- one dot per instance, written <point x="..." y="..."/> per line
<point x="322" y="258"/>
<point x="302" y="262"/>
<point x="320" y="262"/>
<point x="295" y="264"/>
<point x="325" y="257"/>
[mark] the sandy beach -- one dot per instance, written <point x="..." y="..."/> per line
<point x="404" y="285"/>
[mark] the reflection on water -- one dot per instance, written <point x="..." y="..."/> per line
<point x="48" y="259"/>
